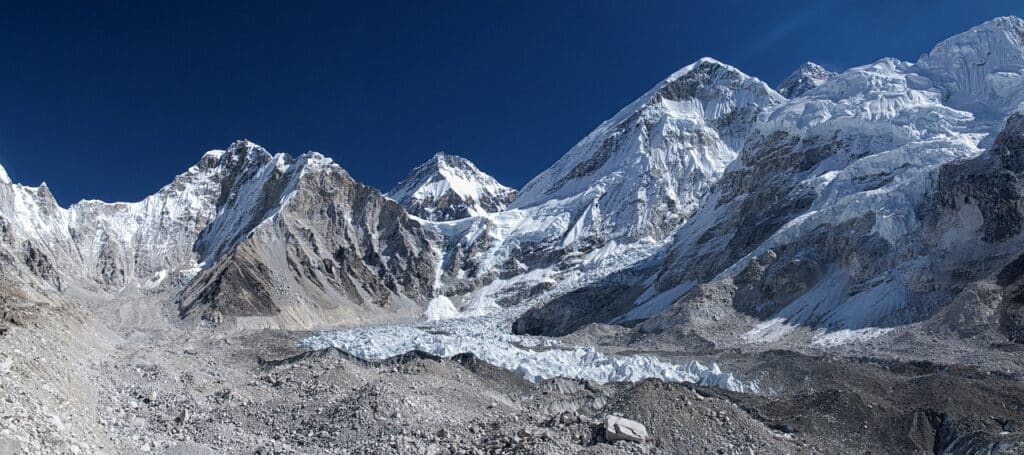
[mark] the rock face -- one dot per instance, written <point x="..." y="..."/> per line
<point x="313" y="247"/>
<point x="33" y="235"/>
<point x="977" y="213"/>
<point x="449" y="187"/>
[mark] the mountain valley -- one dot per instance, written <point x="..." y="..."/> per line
<point x="830" y="266"/>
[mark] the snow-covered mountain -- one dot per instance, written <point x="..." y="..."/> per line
<point x="838" y="213"/>
<point x="614" y="197"/>
<point x="298" y="243"/>
<point x="107" y="247"/>
<point x="806" y="77"/>
<point x="882" y="196"/>
<point x="643" y="172"/>
<point x="450" y="187"/>
<point x="244" y="235"/>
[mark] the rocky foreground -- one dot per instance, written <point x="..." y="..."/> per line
<point x="70" y="386"/>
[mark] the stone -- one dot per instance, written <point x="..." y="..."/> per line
<point x="622" y="429"/>
<point x="183" y="417"/>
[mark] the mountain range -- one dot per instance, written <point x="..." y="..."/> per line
<point x="882" y="196"/>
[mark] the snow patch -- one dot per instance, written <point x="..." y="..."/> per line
<point x="156" y="279"/>
<point x="439" y="308"/>
<point x="847" y="336"/>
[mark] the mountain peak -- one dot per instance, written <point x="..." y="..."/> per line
<point x="704" y="67"/>
<point x="994" y="42"/>
<point x="244" y="144"/>
<point x="707" y="81"/>
<point x="441" y="159"/>
<point x="982" y="69"/>
<point x="446" y="160"/>
<point x="807" y="76"/>
<point x="449" y="187"/>
<point x="244" y="149"/>
<point x="1009" y="23"/>
<point x="691" y="124"/>
<point x="704" y="63"/>
<point x="4" y="178"/>
<point x="315" y="159"/>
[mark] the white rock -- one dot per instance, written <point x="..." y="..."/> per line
<point x="622" y="429"/>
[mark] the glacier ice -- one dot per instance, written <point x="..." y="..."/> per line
<point x="534" y="358"/>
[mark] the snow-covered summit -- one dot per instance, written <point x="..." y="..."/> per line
<point x="806" y="77"/>
<point x="646" y="168"/>
<point x="980" y="70"/>
<point x="4" y="178"/>
<point x="449" y="187"/>
<point x="700" y="96"/>
<point x="966" y="84"/>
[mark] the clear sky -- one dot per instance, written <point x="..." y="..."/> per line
<point x="110" y="100"/>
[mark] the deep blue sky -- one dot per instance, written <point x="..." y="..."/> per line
<point x="111" y="102"/>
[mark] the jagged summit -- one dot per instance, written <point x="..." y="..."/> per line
<point x="4" y="178"/>
<point x="806" y="77"/>
<point x="246" y="152"/>
<point x="449" y="187"/>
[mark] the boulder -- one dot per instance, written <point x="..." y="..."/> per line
<point x="622" y="429"/>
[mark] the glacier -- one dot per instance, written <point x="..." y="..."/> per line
<point x="533" y="358"/>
